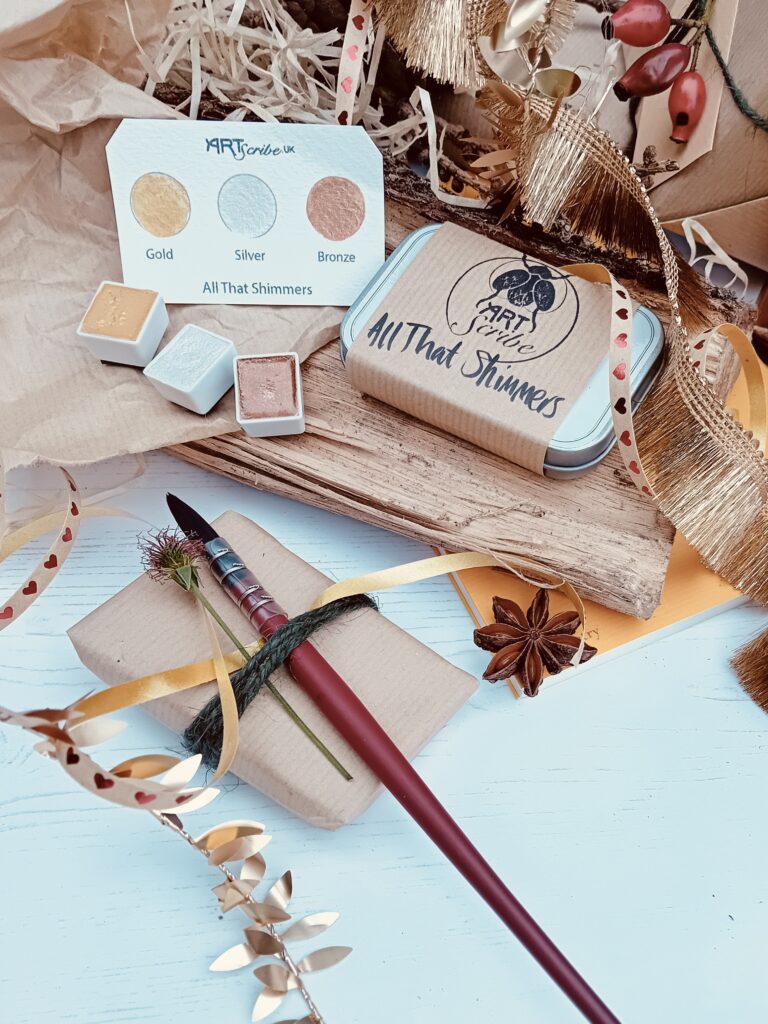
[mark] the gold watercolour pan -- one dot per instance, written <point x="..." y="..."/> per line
<point x="233" y="212"/>
<point x="509" y="305"/>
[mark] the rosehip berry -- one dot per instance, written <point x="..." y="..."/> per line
<point x="654" y="71"/>
<point x="638" y="23"/>
<point x="687" y="99"/>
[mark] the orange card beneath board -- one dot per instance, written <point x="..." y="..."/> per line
<point x="691" y="591"/>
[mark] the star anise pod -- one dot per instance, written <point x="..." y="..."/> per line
<point x="527" y="643"/>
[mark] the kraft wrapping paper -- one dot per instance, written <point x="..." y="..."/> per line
<point x="68" y="70"/>
<point x="411" y="690"/>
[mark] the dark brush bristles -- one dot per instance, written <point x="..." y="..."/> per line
<point x="751" y="666"/>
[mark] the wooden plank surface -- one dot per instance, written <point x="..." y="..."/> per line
<point x="362" y="458"/>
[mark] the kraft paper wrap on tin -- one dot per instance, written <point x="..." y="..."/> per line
<point x="412" y="691"/>
<point x="483" y="342"/>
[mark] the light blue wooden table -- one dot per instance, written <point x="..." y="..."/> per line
<point x="626" y="806"/>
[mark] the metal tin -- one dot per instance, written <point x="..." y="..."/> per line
<point x="586" y="435"/>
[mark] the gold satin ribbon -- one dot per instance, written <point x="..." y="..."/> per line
<point x="441" y="565"/>
<point x="45" y="524"/>
<point x="158" y="684"/>
<point x="753" y="375"/>
<point x="230" y="718"/>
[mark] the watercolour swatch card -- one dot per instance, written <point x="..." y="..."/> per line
<point x="249" y="213"/>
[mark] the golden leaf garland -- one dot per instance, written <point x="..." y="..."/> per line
<point x="242" y="842"/>
<point x="129" y="784"/>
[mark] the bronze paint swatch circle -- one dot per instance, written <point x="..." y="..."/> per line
<point x="336" y="208"/>
<point x="160" y="204"/>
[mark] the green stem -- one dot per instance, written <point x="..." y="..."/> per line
<point x="284" y="704"/>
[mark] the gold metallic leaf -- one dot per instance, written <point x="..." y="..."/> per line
<point x="238" y="849"/>
<point x="324" y="958"/>
<point x="95" y="731"/>
<point x="261" y="942"/>
<point x="557" y="83"/>
<point x="234" y="958"/>
<point x="265" y="913"/>
<point x="144" y="766"/>
<point x="266" y="1004"/>
<point x="280" y="893"/>
<point x="253" y="869"/>
<point x="232" y="894"/>
<point x="277" y="977"/>
<point x="182" y="773"/>
<point x="310" y="926"/>
<point x="227" y="831"/>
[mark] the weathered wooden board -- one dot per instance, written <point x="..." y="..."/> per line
<point x="364" y="459"/>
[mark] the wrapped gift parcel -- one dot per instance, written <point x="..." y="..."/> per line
<point x="476" y="338"/>
<point x="412" y="691"/>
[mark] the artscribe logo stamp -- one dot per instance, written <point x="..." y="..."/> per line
<point x="238" y="150"/>
<point x="525" y="308"/>
<point x="499" y="313"/>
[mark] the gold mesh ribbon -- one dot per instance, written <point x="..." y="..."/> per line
<point x="705" y="470"/>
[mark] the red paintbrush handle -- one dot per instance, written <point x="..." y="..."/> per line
<point x="347" y="713"/>
<point x="356" y="724"/>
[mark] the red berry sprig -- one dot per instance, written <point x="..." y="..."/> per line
<point x="670" y="65"/>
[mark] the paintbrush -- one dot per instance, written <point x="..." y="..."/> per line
<point x="346" y="712"/>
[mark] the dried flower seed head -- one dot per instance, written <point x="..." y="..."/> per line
<point x="170" y="555"/>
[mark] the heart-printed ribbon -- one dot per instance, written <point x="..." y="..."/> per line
<point x="351" y="61"/>
<point x="46" y="569"/>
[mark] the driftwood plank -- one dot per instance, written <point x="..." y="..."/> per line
<point x="361" y="458"/>
<point x="364" y="459"/>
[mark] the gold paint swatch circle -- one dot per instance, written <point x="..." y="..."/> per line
<point x="160" y="204"/>
<point x="336" y="208"/>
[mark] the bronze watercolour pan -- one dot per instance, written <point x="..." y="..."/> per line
<point x="268" y="394"/>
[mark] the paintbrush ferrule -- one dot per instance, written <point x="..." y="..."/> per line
<point x="239" y="583"/>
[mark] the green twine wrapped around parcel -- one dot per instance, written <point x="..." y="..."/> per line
<point x="204" y="733"/>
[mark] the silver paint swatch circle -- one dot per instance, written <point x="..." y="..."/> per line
<point x="247" y="205"/>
